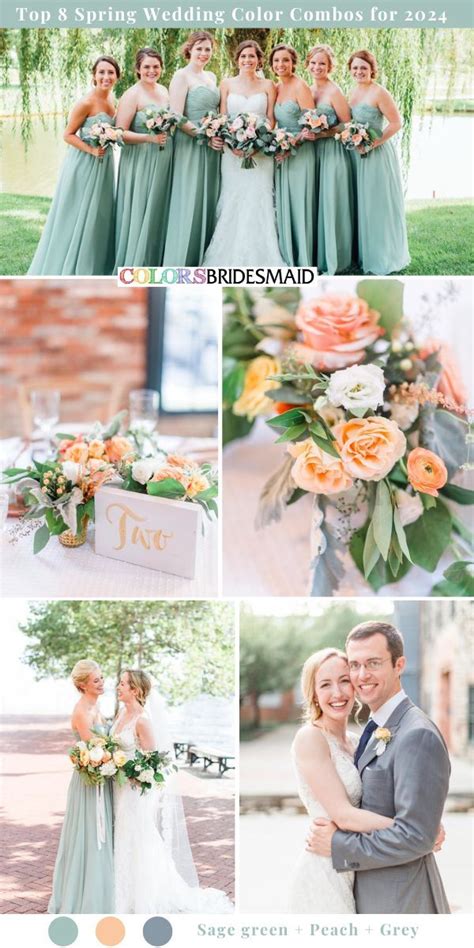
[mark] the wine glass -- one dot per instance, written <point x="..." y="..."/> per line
<point x="45" y="411"/>
<point x="143" y="406"/>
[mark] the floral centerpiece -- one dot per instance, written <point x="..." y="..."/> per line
<point x="98" y="759"/>
<point x="247" y="133"/>
<point x="374" y="427"/>
<point x="357" y="135"/>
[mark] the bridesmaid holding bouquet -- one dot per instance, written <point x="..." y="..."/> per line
<point x="335" y="199"/>
<point x="196" y="171"/>
<point x="78" y="237"/>
<point x="382" y="234"/>
<point x="295" y="176"/>
<point x="144" y="182"/>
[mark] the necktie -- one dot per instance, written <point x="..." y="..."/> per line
<point x="369" y="729"/>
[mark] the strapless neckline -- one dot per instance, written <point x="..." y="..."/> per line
<point x="234" y="109"/>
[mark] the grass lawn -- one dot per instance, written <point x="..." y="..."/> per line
<point x="440" y="235"/>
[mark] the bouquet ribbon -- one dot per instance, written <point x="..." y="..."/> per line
<point x="100" y="815"/>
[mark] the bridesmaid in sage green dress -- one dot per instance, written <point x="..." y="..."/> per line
<point x="295" y="176"/>
<point x="336" y="212"/>
<point x="382" y="232"/>
<point x="78" y="237"/>
<point x="144" y="181"/>
<point x="83" y="881"/>
<point x="196" y="168"/>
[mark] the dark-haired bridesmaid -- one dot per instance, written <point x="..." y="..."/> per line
<point x="144" y="182"/>
<point x="381" y="223"/>
<point x="335" y="198"/>
<point x="295" y="177"/>
<point x="196" y="174"/>
<point x="78" y="237"/>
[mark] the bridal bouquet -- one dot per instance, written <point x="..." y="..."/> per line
<point x="313" y="121"/>
<point x="147" y="769"/>
<point x="105" y="135"/>
<point x="162" y="120"/>
<point x="211" y="126"/>
<point x="373" y="425"/>
<point x="247" y="133"/>
<point x="357" y="135"/>
<point x="97" y="759"/>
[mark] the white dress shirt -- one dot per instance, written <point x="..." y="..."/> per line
<point x="382" y="714"/>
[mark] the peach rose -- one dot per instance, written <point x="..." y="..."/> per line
<point x="253" y="400"/>
<point x="316" y="471"/>
<point x="337" y="329"/>
<point x="91" y="482"/>
<point x="66" y="443"/>
<point x="450" y="383"/>
<point x="197" y="483"/>
<point x="169" y="471"/>
<point x="178" y="460"/>
<point x="369" y="446"/>
<point x="117" y="447"/>
<point x="426" y="471"/>
<point x="78" y="452"/>
<point x="96" y="449"/>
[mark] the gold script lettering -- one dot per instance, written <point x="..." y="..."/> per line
<point x="147" y="537"/>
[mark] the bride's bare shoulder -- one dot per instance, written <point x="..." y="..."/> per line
<point x="309" y="739"/>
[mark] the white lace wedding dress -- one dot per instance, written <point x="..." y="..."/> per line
<point x="245" y="234"/>
<point x="146" y="878"/>
<point x="315" y="887"/>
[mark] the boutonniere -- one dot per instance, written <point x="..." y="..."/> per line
<point x="383" y="736"/>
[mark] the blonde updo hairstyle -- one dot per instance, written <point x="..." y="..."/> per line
<point x="328" y="53"/>
<point x="81" y="672"/>
<point x="197" y="37"/>
<point x="312" y="711"/>
<point x="140" y="684"/>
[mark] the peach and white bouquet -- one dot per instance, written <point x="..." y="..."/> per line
<point x="357" y="136"/>
<point x="105" y="135"/>
<point x="162" y="120"/>
<point x="211" y="126"/>
<point x="375" y="428"/>
<point x="247" y="133"/>
<point x="282" y="144"/>
<point x="98" y="759"/>
<point x="314" y="121"/>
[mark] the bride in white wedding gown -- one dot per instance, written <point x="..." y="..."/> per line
<point x="245" y="233"/>
<point x="153" y="865"/>
<point x="328" y="782"/>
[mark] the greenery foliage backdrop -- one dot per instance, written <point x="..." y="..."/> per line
<point x="52" y="66"/>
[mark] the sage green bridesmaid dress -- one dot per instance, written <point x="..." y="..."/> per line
<point x="336" y="211"/>
<point x="381" y="223"/>
<point x="296" y="197"/>
<point x="195" y="187"/>
<point x="78" y="237"/>
<point x="83" y="881"/>
<point x="143" y="198"/>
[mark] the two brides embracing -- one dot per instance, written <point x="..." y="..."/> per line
<point x="131" y="854"/>
<point x="375" y="803"/>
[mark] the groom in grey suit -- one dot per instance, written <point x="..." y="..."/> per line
<point x="404" y="766"/>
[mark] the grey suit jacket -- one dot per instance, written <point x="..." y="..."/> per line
<point x="396" y="872"/>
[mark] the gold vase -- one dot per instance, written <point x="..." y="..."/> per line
<point x="68" y="538"/>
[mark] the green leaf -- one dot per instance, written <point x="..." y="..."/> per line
<point x="63" y="436"/>
<point x="445" y="434"/>
<point x="209" y="493"/>
<point x="294" y="416"/>
<point x="114" y="426"/>
<point x="168" y="487"/>
<point x="427" y="500"/>
<point x="41" y="538"/>
<point x="385" y="296"/>
<point x="299" y="492"/>
<point x="55" y="523"/>
<point x="233" y="384"/>
<point x="371" y="551"/>
<point x="381" y="574"/>
<point x="325" y="445"/>
<point x="460" y="494"/>
<point x="400" y="534"/>
<point x="292" y="434"/>
<point x="429" y="536"/>
<point x="382" y="518"/>
<point x="289" y="395"/>
<point x="458" y="581"/>
<point x="234" y="426"/>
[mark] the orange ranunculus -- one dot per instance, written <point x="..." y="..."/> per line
<point x="337" y="329"/>
<point x="450" y="382"/>
<point x="426" y="471"/>
<point x="178" y="460"/>
<point x="316" y="471"/>
<point x="66" y="443"/>
<point x="96" y="449"/>
<point x="176" y="473"/>
<point x="370" y="446"/>
<point x="117" y="448"/>
<point x="91" y="482"/>
<point x="78" y="452"/>
<point x="281" y="407"/>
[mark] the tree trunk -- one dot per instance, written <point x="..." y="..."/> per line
<point x="254" y="700"/>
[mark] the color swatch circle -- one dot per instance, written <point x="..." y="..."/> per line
<point x="110" y="931"/>
<point x="63" y="931"/>
<point x="157" y="931"/>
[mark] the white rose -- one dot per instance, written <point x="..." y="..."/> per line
<point x="96" y="754"/>
<point x="358" y="387"/>
<point x="108" y="769"/>
<point x="72" y="471"/>
<point x="142" y="471"/>
<point x="409" y="506"/>
<point x="147" y="776"/>
<point x="404" y="413"/>
<point x="81" y="745"/>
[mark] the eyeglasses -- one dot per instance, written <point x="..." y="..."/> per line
<point x="373" y="664"/>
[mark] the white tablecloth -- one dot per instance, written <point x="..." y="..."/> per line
<point x="79" y="573"/>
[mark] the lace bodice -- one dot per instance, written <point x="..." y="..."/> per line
<point x="326" y="109"/>
<point x="126" y="736"/>
<point x="363" y="112"/>
<point x="288" y="115"/>
<point x="257" y="103"/>
<point x="346" y="770"/>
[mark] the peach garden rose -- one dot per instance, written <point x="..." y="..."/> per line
<point x="316" y="471"/>
<point x="117" y="447"/>
<point x="369" y="447"/>
<point x="426" y="471"/>
<point x="338" y="329"/>
<point x="253" y="400"/>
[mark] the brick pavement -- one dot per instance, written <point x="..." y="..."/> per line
<point x="35" y="777"/>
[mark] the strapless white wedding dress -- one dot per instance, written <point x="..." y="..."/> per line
<point x="146" y="878"/>
<point x="245" y="234"/>
<point x="315" y="887"/>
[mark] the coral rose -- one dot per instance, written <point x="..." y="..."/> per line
<point x="426" y="471"/>
<point x="253" y="400"/>
<point x="176" y="473"/>
<point x="78" y="452"/>
<point x="178" y="460"/>
<point x="338" y="329"/>
<point x="369" y="447"/>
<point x="117" y="448"/>
<point x="316" y="471"/>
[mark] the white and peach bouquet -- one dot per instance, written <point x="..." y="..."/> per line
<point x="247" y="133"/>
<point x="282" y="144"/>
<point x="161" y="120"/>
<point x="98" y="759"/>
<point x="210" y="127"/>
<point x="357" y="136"/>
<point x="314" y="121"/>
<point x="148" y="770"/>
<point x="105" y="135"/>
<point x="374" y="426"/>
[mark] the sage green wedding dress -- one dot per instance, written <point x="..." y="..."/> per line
<point x="83" y="881"/>
<point x="78" y="237"/>
<point x="296" y="197"/>
<point x="336" y="212"/>
<point x="143" y="198"/>
<point x="195" y="187"/>
<point x="381" y="223"/>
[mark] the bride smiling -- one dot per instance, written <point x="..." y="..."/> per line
<point x="245" y="233"/>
